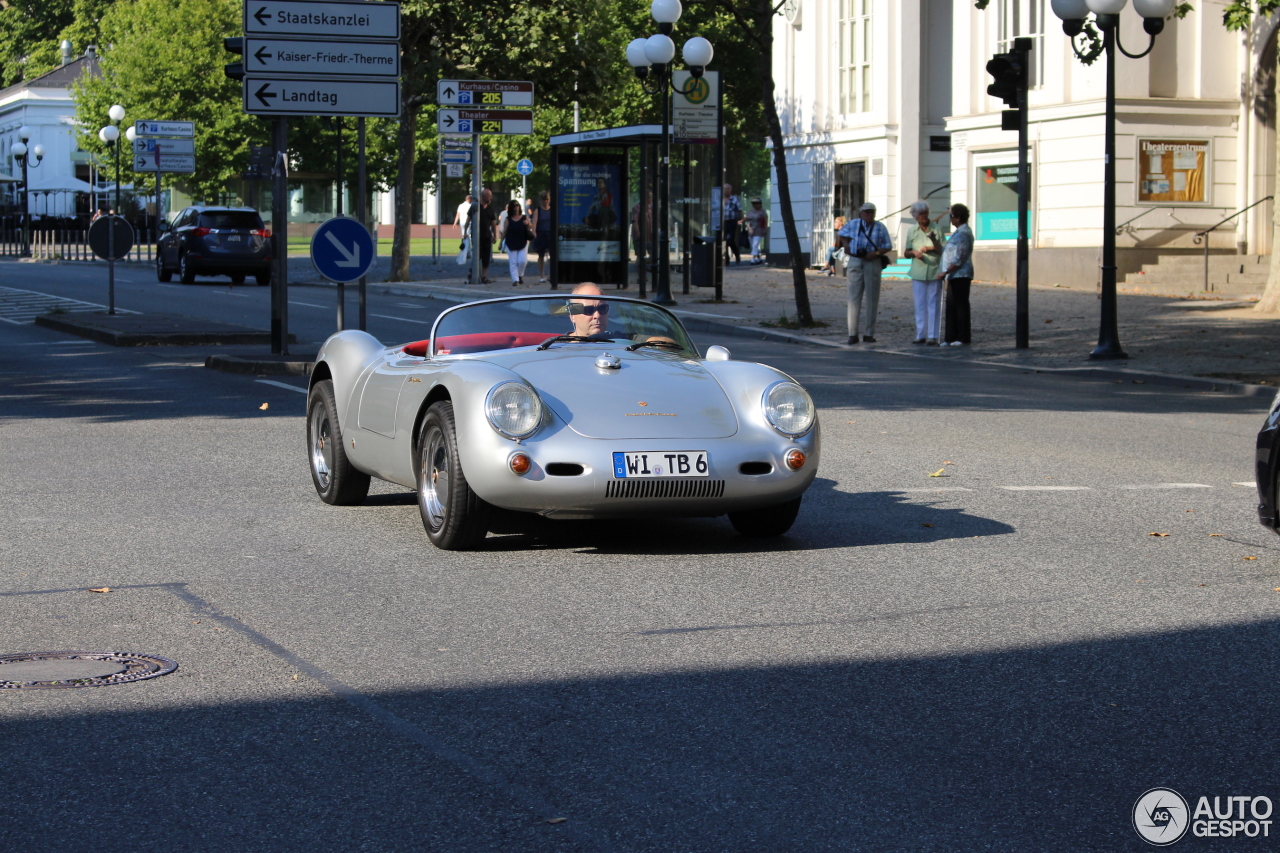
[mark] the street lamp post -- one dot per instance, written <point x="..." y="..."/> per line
<point x="654" y="55"/>
<point x="23" y="155"/>
<point x="1107" y="15"/>
<point x="111" y="135"/>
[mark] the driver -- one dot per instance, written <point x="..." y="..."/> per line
<point x="593" y="316"/>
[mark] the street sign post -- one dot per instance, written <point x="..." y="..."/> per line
<point x="342" y="249"/>
<point x="484" y="93"/>
<point x="326" y="57"/>
<point x="312" y="96"/>
<point x="108" y="245"/>
<point x="179" y="129"/>
<point x="524" y="167"/>
<point x="150" y="145"/>
<point x="324" y="18"/>
<point x="182" y="164"/>
<point x="485" y="122"/>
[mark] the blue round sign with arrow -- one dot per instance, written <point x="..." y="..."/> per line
<point x="342" y="249"/>
<point x="525" y="167"/>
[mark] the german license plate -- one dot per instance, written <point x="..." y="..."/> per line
<point x="233" y="238"/>
<point x="663" y="463"/>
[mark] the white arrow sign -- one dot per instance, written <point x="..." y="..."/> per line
<point x="319" y="96"/>
<point x="313" y="56"/>
<point x="176" y="163"/>
<point x="144" y="145"/>
<point x="351" y="258"/>
<point x="325" y="18"/>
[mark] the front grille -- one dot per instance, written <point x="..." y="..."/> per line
<point x="688" y="488"/>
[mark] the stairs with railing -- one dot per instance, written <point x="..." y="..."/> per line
<point x="1184" y="275"/>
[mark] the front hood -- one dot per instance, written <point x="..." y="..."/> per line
<point x="652" y="395"/>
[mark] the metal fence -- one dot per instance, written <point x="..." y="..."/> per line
<point x="67" y="240"/>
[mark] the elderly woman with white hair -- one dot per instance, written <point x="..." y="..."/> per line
<point x="924" y="248"/>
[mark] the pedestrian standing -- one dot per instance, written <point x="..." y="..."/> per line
<point x="488" y="233"/>
<point x="542" y="234"/>
<point x="957" y="271"/>
<point x="517" y="235"/>
<point x="757" y="229"/>
<point x="924" y="247"/>
<point x="732" y="216"/>
<point x="867" y="243"/>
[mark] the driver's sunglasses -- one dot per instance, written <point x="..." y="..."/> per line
<point x="589" y="310"/>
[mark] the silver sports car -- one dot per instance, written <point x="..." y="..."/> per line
<point x="578" y="406"/>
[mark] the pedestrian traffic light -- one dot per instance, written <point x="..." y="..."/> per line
<point x="234" y="70"/>
<point x="1009" y="71"/>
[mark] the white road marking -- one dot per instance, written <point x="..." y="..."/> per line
<point x="1251" y="484"/>
<point x="283" y="385"/>
<point x="404" y="320"/>
<point x="1169" y="486"/>
<point x="1046" y="488"/>
<point x="21" y="307"/>
<point x="939" y="489"/>
<point x="309" y="305"/>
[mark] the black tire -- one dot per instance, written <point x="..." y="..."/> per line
<point x="163" y="273"/>
<point x="185" y="273"/>
<point x="767" y="521"/>
<point x="336" y="480"/>
<point x="263" y="279"/>
<point x="238" y="278"/>
<point x="454" y="517"/>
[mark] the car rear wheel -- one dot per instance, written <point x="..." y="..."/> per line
<point x="185" y="272"/>
<point x="454" y="517"/>
<point x="237" y="279"/>
<point x="767" y="521"/>
<point x="336" y="480"/>
<point x="263" y="279"/>
<point x="163" y="273"/>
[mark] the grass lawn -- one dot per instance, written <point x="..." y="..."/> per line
<point x="301" y="247"/>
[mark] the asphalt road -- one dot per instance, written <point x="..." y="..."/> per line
<point x="998" y="658"/>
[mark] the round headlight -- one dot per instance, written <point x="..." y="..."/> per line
<point x="513" y="409"/>
<point x="788" y="408"/>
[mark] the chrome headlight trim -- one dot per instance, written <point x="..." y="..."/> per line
<point x="513" y="409"/>
<point x="788" y="408"/>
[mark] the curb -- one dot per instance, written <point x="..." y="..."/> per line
<point x="117" y="338"/>
<point x="284" y="366"/>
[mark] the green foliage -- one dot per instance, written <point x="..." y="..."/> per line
<point x="1239" y="13"/>
<point x="27" y="44"/>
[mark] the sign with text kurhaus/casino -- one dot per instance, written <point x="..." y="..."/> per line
<point x="1173" y="171"/>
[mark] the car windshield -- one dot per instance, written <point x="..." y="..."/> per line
<point x="571" y="319"/>
<point x="227" y="220"/>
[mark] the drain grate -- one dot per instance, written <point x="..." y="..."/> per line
<point x="35" y="670"/>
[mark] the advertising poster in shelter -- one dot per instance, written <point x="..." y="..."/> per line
<point x="996" y="216"/>
<point x="1172" y="171"/>
<point x="590" y="218"/>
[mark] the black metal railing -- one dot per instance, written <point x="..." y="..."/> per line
<point x="67" y="243"/>
<point x="1203" y="236"/>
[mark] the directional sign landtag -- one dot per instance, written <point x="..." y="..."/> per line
<point x="182" y="164"/>
<point x="342" y="249"/>
<point x="485" y="93"/>
<point x="150" y="145"/>
<point x="317" y="96"/>
<point x="181" y="129"/>
<point x="507" y="122"/>
<point x="340" y="19"/>
<point x="316" y="56"/>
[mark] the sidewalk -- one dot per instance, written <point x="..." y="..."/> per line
<point x="1213" y="339"/>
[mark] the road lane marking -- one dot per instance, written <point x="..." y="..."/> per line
<point x="1251" y="485"/>
<point x="21" y="307"/>
<point x="404" y="319"/>
<point x="1046" y="488"/>
<point x="284" y="385"/>
<point x="309" y="305"/>
<point x="938" y="489"/>
<point x="1169" y="486"/>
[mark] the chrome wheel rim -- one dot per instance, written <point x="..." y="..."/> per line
<point x="321" y="448"/>
<point x="435" y="479"/>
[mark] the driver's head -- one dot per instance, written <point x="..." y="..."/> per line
<point x="594" y="316"/>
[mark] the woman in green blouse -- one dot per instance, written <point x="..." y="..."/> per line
<point x="924" y="248"/>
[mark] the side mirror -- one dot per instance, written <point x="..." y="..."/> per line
<point x="717" y="353"/>
<point x="163" y="225"/>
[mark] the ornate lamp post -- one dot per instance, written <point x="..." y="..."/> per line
<point x="23" y="155"/>
<point x="653" y="56"/>
<point x="1107" y="15"/>
<point x="111" y="135"/>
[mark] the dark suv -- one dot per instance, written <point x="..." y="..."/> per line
<point x="215" y="241"/>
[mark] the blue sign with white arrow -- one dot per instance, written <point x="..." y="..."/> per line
<point x="342" y="249"/>
<point x="525" y="167"/>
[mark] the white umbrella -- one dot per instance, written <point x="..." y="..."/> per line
<point x="61" y="185"/>
<point x="5" y="179"/>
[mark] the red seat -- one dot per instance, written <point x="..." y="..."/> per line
<point x="478" y="342"/>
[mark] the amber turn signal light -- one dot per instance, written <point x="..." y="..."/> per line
<point x="520" y="464"/>
<point x="794" y="459"/>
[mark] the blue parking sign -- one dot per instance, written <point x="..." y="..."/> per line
<point x="464" y="97"/>
<point x="464" y="125"/>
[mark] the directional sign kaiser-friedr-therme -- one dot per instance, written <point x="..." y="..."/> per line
<point x="310" y="96"/>
<point x="316" y="56"/>
<point x="342" y="249"/>
<point x="322" y="18"/>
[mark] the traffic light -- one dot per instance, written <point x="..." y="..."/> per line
<point x="1009" y="72"/>
<point x="234" y="70"/>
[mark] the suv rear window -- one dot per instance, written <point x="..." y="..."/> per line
<point x="245" y="220"/>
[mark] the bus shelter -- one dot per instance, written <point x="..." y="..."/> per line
<point x="604" y="210"/>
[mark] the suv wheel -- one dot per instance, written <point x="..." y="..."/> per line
<point x="184" y="270"/>
<point x="162" y="272"/>
<point x="263" y="278"/>
<point x="237" y="279"/>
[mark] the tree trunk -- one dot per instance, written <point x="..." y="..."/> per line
<point x="407" y="142"/>
<point x="804" y="314"/>
<point x="1270" y="301"/>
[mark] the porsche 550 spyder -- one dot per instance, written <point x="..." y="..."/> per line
<point x="577" y="406"/>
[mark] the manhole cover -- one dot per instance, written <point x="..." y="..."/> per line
<point x="79" y="669"/>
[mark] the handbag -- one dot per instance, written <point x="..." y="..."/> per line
<point x="884" y="261"/>
<point x="462" y="254"/>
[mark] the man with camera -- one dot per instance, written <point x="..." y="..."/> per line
<point x="868" y="244"/>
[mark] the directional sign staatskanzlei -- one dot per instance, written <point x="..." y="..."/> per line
<point x="149" y="145"/>
<point x="181" y="129"/>
<point x="315" y="56"/>
<point x="506" y="122"/>
<point x="324" y="18"/>
<point x="484" y="93"/>
<point x="342" y="249"/>
<point x="317" y="96"/>
<point x="183" y="164"/>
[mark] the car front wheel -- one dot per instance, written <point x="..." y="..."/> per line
<point x="163" y="273"/>
<point x="767" y="521"/>
<point x="263" y="278"/>
<point x="336" y="480"/>
<point x="455" y="518"/>
<point x="185" y="272"/>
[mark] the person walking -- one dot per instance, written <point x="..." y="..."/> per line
<point x="924" y="247"/>
<point x="732" y="216"/>
<point x="488" y="233"/>
<point x="757" y="229"/>
<point x="516" y="234"/>
<point x="867" y="243"/>
<point x="462" y="218"/>
<point x="956" y="271"/>
<point x="542" y="234"/>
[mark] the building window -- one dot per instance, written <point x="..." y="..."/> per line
<point x="1023" y="19"/>
<point x="855" y="56"/>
